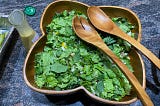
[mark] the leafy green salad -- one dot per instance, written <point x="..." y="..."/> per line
<point x="68" y="62"/>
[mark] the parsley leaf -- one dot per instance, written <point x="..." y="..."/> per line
<point x="58" y="68"/>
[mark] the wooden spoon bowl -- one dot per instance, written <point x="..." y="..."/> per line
<point x="59" y="6"/>
<point x="115" y="11"/>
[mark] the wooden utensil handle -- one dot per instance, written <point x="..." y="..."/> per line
<point x="137" y="45"/>
<point x="139" y="89"/>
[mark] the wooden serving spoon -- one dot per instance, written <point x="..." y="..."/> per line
<point x="87" y="33"/>
<point x="102" y="22"/>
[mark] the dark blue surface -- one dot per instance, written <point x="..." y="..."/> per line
<point x="13" y="90"/>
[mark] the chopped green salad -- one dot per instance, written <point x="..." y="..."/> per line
<point x="68" y="62"/>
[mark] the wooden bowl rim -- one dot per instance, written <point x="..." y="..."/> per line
<point x="44" y="12"/>
<point x="103" y="6"/>
<point x="65" y="92"/>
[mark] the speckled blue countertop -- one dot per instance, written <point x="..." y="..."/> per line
<point x="14" y="91"/>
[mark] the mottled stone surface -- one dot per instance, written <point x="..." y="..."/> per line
<point x="13" y="90"/>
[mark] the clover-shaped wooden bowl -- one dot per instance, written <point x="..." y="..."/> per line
<point x="112" y="11"/>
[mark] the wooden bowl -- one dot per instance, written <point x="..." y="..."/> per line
<point x="59" y="6"/>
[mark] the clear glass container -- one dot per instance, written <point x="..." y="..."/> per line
<point x="27" y="34"/>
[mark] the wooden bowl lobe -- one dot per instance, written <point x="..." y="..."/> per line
<point x="29" y="62"/>
<point x="38" y="47"/>
<point x="139" y="72"/>
<point x="57" y="7"/>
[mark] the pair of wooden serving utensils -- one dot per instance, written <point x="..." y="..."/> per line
<point x="102" y="22"/>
